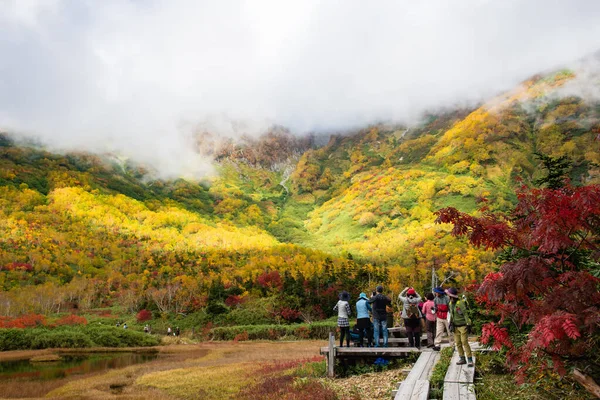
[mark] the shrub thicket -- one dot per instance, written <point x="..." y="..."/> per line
<point x="73" y="337"/>
<point x="316" y="330"/>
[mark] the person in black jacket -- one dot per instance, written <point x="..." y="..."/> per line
<point x="380" y="301"/>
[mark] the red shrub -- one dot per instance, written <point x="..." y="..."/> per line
<point x="143" y="316"/>
<point x="234" y="300"/>
<point x="289" y="314"/>
<point x="24" y="321"/>
<point x="270" y="280"/>
<point x="545" y="286"/>
<point x="241" y="337"/>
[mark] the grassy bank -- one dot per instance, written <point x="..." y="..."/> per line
<point x="82" y="336"/>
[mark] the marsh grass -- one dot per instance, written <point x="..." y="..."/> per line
<point x="214" y="370"/>
<point x="217" y="382"/>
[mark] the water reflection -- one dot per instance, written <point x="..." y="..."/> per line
<point x="70" y="365"/>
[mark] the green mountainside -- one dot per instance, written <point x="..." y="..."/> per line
<point x="366" y="199"/>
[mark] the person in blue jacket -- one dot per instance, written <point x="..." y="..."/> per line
<point x="363" y="321"/>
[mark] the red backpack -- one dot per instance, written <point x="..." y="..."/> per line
<point x="441" y="310"/>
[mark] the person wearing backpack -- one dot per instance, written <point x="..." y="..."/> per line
<point x="441" y="302"/>
<point x="460" y="323"/>
<point x="412" y="316"/>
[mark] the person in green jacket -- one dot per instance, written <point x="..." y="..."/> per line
<point x="460" y="323"/>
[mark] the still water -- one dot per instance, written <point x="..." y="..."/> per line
<point x="70" y="365"/>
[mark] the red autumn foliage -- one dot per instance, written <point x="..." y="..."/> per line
<point x="545" y="286"/>
<point x="270" y="280"/>
<point x="289" y="314"/>
<point x="71" y="320"/>
<point x="143" y="316"/>
<point x="17" y="266"/>
<point x="234" y="300"/>
<point x="24" y="321"/>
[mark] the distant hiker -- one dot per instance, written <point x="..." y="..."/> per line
<point x="146" y="329"/>
<point x="380" y="302"/>
<point x="363" y="321"/>
<point x="441" y="302"/>
<point x="177" y="331"/>
<point x="169" y="331"/>
<point x="428" y="310"/>
<point x="343" y="309"/>
<point x="125" y="325"/>
<point x="460" y="323"/>
<point x="118" y="324"/>
<point x="412" y="316"/>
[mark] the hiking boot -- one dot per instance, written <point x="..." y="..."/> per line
<point x="461" y="361"/>
<point x="436" y="348"/>
<point x="470" y="362"/>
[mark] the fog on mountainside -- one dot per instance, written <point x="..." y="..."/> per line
<point x="143" y="79"/>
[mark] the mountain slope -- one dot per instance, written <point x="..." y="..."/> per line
<point x="363" y="200"/>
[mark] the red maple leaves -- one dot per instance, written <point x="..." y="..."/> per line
<point x="545" y="287"/>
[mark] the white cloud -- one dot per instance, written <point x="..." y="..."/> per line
<point x="134" y="76"/>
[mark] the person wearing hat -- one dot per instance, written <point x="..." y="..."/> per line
<point x="460" y="323"/>
<point x="380" y="302"/>
<point x="412" y="316"/>
<point x="363" y="321"/>
<point x="442" y="324"/>
<point x="344" y="311"/>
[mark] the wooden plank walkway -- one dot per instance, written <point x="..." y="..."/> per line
<point x="458" y="383"/>
<point x="370" y="351"/>
<point x="397" y="341"/>
<point x="416" y="384"/>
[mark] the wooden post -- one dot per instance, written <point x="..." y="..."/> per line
<point x="331" y="356"/>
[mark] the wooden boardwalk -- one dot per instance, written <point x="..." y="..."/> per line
<point x="370" y="351"/>
<point x="458" y="383"/>
<point x="416" y="384"/>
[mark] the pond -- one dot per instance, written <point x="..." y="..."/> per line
<point x="70" y="364"/>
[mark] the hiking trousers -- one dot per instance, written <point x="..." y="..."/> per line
<point x="364" y="326"/>
<point x="376" y="323"/>
<point x="462" y="341"/>
<point x="430" y="332"/>
<point x="442" y="325"/>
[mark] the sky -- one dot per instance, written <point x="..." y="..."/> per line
<point x="139" y="77"/>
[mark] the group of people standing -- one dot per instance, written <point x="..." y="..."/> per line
<point x="442" y="312"/>
<point x="377" y="304"/>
